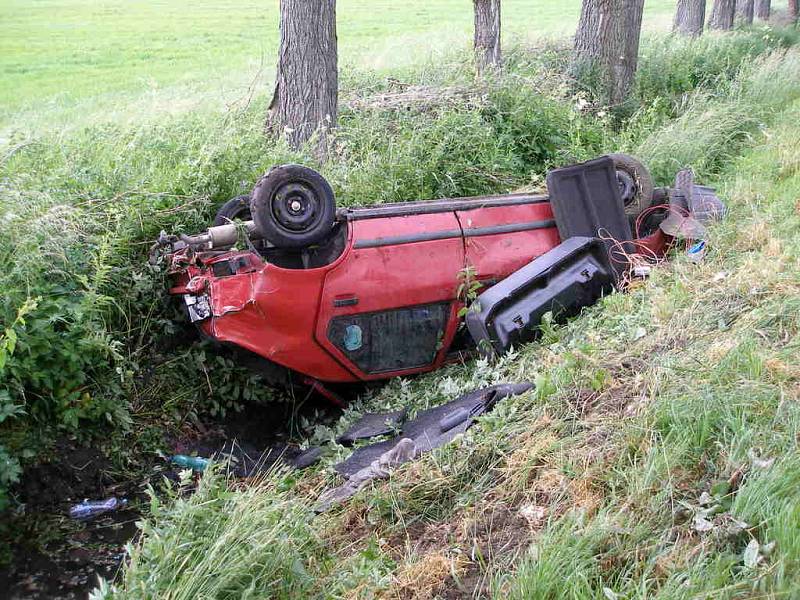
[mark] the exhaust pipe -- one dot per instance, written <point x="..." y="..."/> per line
<point x="220" y="237"/>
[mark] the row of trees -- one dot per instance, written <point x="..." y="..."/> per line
<point x="690" y="14"/>
<point x="305" y="99"/>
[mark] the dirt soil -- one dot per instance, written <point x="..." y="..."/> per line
<point x="54" y="556"/>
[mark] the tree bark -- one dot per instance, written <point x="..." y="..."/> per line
<point x="763" y="9"/>
<point x="744" y="11"/>
<point x="722" y="15"/>
<point x="305" y="99"/>
<point x="793" y="10"/>
<point x="690" y="15"/>
<point x="487" y="34"/>
<point x="607" y="45"/>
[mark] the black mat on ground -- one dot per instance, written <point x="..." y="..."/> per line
<point x="436" y="426"/>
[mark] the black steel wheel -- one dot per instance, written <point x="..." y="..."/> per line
<point x="293" y="207"/>
<point x="233" y="209"/>
<point x="635" y="184"/>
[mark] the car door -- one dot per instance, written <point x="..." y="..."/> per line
<point x="389" y="308"/>
<point x="505" y="233"/>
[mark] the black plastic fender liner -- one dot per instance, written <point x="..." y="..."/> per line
<point x="574" y="274"/>
<point x="586" y="202"/>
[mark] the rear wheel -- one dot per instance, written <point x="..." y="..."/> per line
<point x="635" y="184"/>
<point x="234" y="209"/>
<point x="293" y="207"/>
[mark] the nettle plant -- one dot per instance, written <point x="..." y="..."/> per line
<point x="10" y="469"/>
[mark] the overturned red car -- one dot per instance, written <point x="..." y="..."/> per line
<point x="360" y="294"/>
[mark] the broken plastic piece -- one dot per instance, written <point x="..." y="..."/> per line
<point x="701" y="201"/>
<point x="572" y="275"/>
<point x="436" y="426"/>
<point x="697" y="252"/>
<point x="306" y="458"/>
<point x="586" y="202"/>
<point x="380" y="468"/>
<point x="90" y="509"/>
<point x="372" y="425"/>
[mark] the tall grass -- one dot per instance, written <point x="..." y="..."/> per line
<point x="655" y="413"/>
<point x="79" y="209"/>
<point x="253" y="543"/>
<point x="714" y="125"/>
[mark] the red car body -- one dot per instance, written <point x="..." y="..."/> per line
<point x="387" y="302"/>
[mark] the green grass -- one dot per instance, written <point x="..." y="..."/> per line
<point x="72" y="61"/>
<point x="596" y="476"/>
<point x="662" y="465"/>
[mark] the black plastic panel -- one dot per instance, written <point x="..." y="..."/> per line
<point x="586" y="202"/>
<point x="392" y="340"/>
<point x="572" y="275"/>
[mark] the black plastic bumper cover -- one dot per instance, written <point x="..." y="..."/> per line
<point x="574" y="274"/>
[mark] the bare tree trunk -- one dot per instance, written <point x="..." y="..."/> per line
<point x="722" y="15"/>
<point x="690" y="15"/>
<point x="744" y="11"/>
<point x="607" y="45"/>
<point x="306" y="82"/>
<point x="487" y="34"/>
<point x="763" y="9"/>
<point x="793" y="10"/>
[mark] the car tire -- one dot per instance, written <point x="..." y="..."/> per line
<point x="233" y="209"/>
<point x="293" y="207"/>
<point x="635" y="183"/>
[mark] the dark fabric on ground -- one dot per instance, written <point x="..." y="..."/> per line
<point x="436" y="426"/>
<point x="246" y="460"/>
<point x="372" y="425"/>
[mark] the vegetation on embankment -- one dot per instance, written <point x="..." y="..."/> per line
<point x="656" y="457"/>
<point x="100" y="353"/>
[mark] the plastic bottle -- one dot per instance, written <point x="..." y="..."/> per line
<point x="89" y="509"/>
<point x="196" y="463"/>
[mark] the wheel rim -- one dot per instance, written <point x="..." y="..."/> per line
<point x="296" y="207"/>
<point x="627" y="187"/>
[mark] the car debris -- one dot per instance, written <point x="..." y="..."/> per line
<point x="587" y="202"/>
<point x="697" y="252"/>
<point x="430" y="429"/>
<point x="372" y="425"/>
<point x="321" y="297"/>
<point x="244" y="460"/>
<point x="89" y="509"/>
<point x="574" y="274"/>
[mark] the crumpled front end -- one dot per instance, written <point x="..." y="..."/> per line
<point x="213" y="284"/>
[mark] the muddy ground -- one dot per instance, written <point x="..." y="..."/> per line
<point x="54" y="556"/>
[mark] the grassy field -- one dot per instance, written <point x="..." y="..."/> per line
<point x="69" y="61"/>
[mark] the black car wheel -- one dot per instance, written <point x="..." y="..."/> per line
<point x="293" y="207"/>
<point x="233" y="209"/>
<point x="635" y="184"/>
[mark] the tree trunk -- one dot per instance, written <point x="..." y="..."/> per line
<point x="689" y="17"/>
<point x="487" y="34"/>
<point x="763" y="9"/>
<point x="793" y="10"/>
<point x="722" y="15"/>
<point x="607" y="45"/>
<point x="744" y="12"/>
<point x="306" y="82"/>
